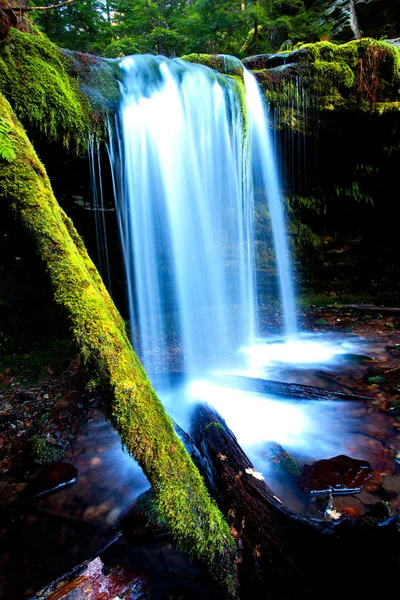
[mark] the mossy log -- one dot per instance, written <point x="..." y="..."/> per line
<point x="133" y="407"/>
<point x="286" y="555"/>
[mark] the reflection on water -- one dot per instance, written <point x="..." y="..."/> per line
<point x="108" y="478"/>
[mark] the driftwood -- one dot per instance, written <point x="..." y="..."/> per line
<point x="286" y="555"/>
<point x="284" y="390"/>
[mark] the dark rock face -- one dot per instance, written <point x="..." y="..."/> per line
<point x="376" y="18"/>
<point x="270" y="61"/>
<point x="339" y="475"/>
<point x="53" y="477"/>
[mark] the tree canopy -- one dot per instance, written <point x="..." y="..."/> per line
<point x="115" y="28"/>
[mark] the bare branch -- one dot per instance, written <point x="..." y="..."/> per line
<point x="42" y="8"/>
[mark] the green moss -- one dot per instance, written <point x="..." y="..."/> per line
<point x="325" y="76"/>
<point x="34" y="79"/>
<point x="133" y="407"/>
<point x="396" y="405"/>
<point x="281" y="461"/>
<point x="227" y="65"/>
<point x="359" y="75"/>
<point x="241" y="92"/>
<point x="98" y="80"/>
<point x="215" y="424"/>
<point x="6" y="142"/>
<point x="213" y="61"/>
<point x="44" y="450"/>
<point x="367" y="67"/>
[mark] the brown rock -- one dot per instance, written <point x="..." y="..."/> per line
<point x="348" y="505"/>
<point x="340" y="474"/>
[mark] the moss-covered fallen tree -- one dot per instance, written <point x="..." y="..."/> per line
<point x="134" y="409"/>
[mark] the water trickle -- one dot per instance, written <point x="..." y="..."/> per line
<point x="103" y="262"/>
<point x="265" y="176"/>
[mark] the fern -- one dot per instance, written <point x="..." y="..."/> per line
<point x="7" y="152"/>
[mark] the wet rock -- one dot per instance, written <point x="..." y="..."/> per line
<point x="339" y="475"/>
<point x="55" y="476"/>
<point x="270" y="61"/>
<point x="367" y="498"/>
<point x="374" y="484"/>
<point x="394" y="350"/>
<point x="280" y="461"/>
<point x="96" y="511"/>
<point x="23" y="397"/>
<point x="391" y="484"/>
<point x="348" y="505"/>
<point x="379" y="456"/>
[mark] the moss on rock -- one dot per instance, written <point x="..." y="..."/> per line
<point x="225" y="64"/>
<point x="363" y="71"/>
<point x="46" y="99"/>
<point x="362" y="75"/>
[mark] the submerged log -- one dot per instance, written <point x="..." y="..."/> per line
<point x="91" y="581"/>
<point x="286" y="555"/>
<point x="284" y="390"/>
<point x="99" y="331"/>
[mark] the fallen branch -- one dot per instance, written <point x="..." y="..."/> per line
<point x="284" y="390"/>
<point x="19" y="9"/>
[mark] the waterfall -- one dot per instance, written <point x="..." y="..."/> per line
<point x="183" y="171"/>
<point x="186" y="212"/>
<point x="265" y="176"/>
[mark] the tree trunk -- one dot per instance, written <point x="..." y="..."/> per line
<point x="285" y="555"/>
<point x="132" y="405"/>
<point x="354" y="21"/>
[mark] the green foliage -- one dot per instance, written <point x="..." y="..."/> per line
<point x="281" y="25"/>
<point x="44" y="450"/>
<point x="34" y="78"/>
<point x="354" y="192"/>
<point x="147" y="27"/>
<point x="81" y="26"/>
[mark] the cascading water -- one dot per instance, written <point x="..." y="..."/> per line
<point x="186" y="161"/>
<point x="186" y="212"/>
<point x="265" y="176"/>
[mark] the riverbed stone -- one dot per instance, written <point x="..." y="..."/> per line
<point x="340" y="474"/>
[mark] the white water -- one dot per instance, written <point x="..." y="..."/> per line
<point x="186" y="212"/>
